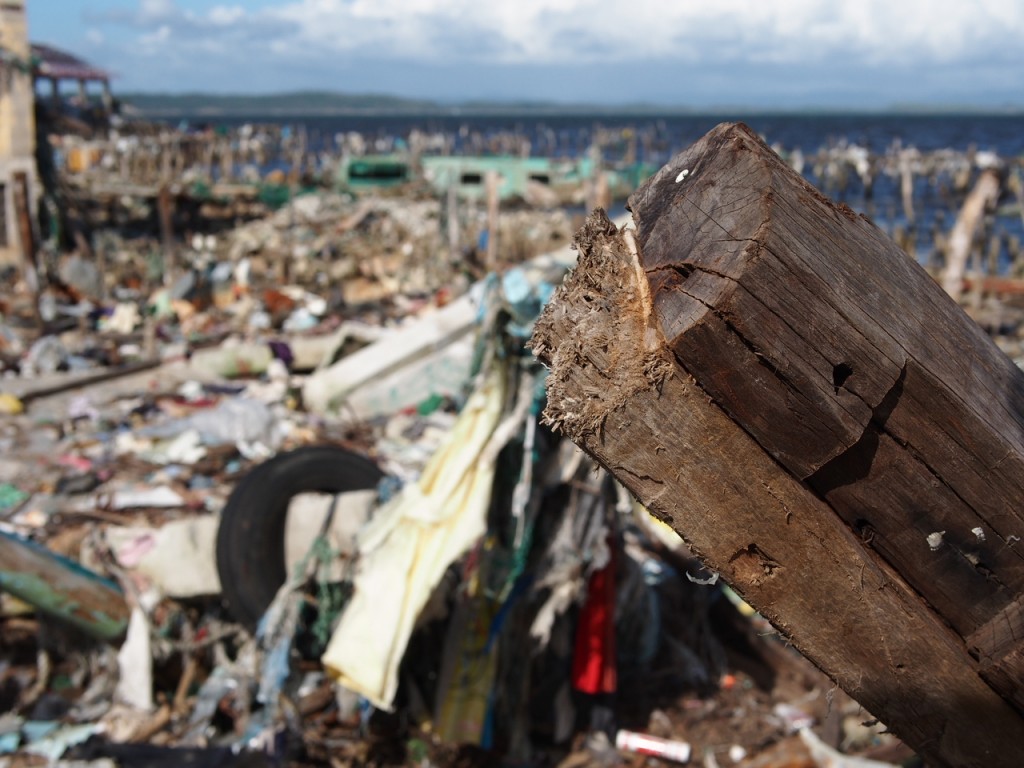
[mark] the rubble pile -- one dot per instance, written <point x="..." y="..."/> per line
<point x="159" y="467"/>
<point x="274" y="487"/>
<point x="318" y="261"/>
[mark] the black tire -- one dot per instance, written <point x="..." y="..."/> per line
<point x="250" y="538"/>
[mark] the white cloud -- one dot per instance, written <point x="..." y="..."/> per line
<point x="155" y="10"/>
<point x="564" y="30"/>
<point x="223" y="15"/>
<point x="157" y="37"/>
<point x="724" y="41"/>
<point x="560" y="31"/>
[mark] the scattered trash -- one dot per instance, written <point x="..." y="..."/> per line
<point x="737" y="753"/>
<point x="135" y="681"/>
<point x="427" y="526"/>
<point x="308" y="447"/>
<point x="708" y="582"/>
<point x="825" y="756"/>
<point x="10" y="496"/>
<point x="10" y="405"/>
<point x="61" y="588"/>
<point x="793" y="718"/>
<point x="676" y="751"/>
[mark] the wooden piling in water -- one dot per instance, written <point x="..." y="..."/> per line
<point x="961" y="240"/>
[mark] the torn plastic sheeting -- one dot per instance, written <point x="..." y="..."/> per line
<point x="161" y="496"/>
<point x="275" y="637"/>
<point x="10" y="732"/>
<point x="425" y="335"/>
<point x="580" y="541"/>
<point x="526" y="296"/>
<point x="45" y="356"/>
<point x="238" y="421"/>
<point x="233" y="421"/>
<point x="179" y="558"/>
<point x="56" y="744"/>
<point x="443" y="372"/>
<point x="468" y="670"/>
<point x="135" y="663"/>
<point x="307" y="513"/>
<point x="219" y="684"/>
<point x="408" y="545"/>
<point x="186" y="448"/>
<point x="233" y="359"/>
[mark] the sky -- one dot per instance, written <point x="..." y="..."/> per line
<point x="766" y="54"/>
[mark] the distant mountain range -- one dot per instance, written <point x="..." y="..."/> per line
<point x="326" y="103"/>
<point x="296" y="103"/>
<point x="311" y="103"/>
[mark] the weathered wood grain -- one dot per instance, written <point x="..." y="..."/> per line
<point x="845" y="362"/>
<point x="773" y="377"/>
<point x="999" y="648"/>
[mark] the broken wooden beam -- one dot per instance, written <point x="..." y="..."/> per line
<point x="772" y="376"/>
<point x="62" y="588"/>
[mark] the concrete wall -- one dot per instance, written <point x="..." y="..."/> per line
<point x="17" y="124"/>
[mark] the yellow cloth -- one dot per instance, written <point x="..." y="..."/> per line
<point x="409" y="544"/>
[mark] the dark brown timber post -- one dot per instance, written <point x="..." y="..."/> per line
<point x="770" y="374"/>
<point x="23" y="211"/>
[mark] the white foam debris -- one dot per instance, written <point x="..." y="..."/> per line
<point x="978" y="533"/>
<point x="934" y="539"/>
<point x="682" y="175"/>
<point x="708" y="582"/>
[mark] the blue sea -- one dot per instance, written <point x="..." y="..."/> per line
<point x="554" y="134"/>
<point x="1002" y="133"/>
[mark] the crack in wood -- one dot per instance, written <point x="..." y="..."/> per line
<point x="839" y="372"/>
<point x="718" y="224"/>
<point x="637" y="475"/>
<point x="837" y="307"/>
<point x="761" y="358"/>
<point x="855" y="462"/>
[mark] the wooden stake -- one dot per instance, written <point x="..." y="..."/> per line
<point x="1016" y="185"/>
<point x="602" y="192"/>
<point x="30" y="263"/>
<point x="453" y="222"/>
<point x="907" y="188"/>
<point x="491" y="181"/>
<point x="165" y="211"/>
<point x="984" y="194"/>
<point x="227" y="163"/>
